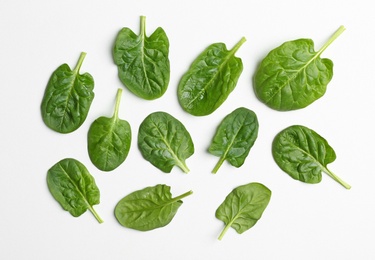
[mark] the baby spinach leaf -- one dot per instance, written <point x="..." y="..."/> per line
<point x="149" y="208"/>
<point x="234" y="137"/>
<point x="143" y="63"/>
<point x="67" y="98"/>
<point x="210" y="79"/>
<point x="165" y="142"/>
<point x="73" y="187"/>
<point x="243" y="207"/>
<point x="304" y="154"/>
<point x="292" y="76"/>
<point x="109" y="140"/>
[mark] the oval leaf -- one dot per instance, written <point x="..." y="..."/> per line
<point x="149" y="208"/>
<point x="210" y="79"/>
<point x="67" y="98"/>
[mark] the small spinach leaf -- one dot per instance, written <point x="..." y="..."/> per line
<point x="243" y="207"/>
<point x="149" y="208"/>
<point x="165" y="142"/>
<point x="109" y="140"/>
<point x="67" y="98"/>
<point x="292" y="76"/>
<point x="210" y="79"/>
<point x="234" y="137"/>
<point x="73" y="187"/>
<point x="304" y="154"/>
<point x="143" y="63"/>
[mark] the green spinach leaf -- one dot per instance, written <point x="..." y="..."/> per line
<point x="143" y="63"/>
<point x="243" y="207"/>
<point x="67" y="98"/>
<point x="304" y="154"/>
<point x="210" y="79"/>
<point x="149" y="208"/>
<point x="165" y="142"/>
<point x="109" y="140"/>
<point x="234" y="137"/>
<point x="292" y="76"/>
<point x="73" y="187"/>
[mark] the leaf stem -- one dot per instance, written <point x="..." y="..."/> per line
<point x="219" y="163"/>
<point x="183" y="195"/>
<point x="143" y="25"/>
<point x="338" y="179"/>
<point x="183" y="166"/>
<point x="238" y="45"/>
<point x="80" y="61"/>
<point x="338" y="32"/>
<point x="223" y="232"/>
<point x="98" y="218"/>
<point x="118" y="100"/>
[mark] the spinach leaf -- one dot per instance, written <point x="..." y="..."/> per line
<point x="67" y="98"/>
<point x="143" y="63"/>
<point x="234" y="137"/>
<point x="210" y="79"/>
<point x="304" y="154"/>
<point x="73" y="187"/>
<point x="109" y="140"/>
<point x="165" y="142"/>
<point x="243" y="207"/>
<point x="149" y="208"/>
<point x="292" y="76"/>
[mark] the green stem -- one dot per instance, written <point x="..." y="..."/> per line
<point x="80" y="61"/>
<point x="183" y="167"/>
<point x="219" y="163"/>
<point x="332" y="39"/>
<point x="238" y="45"/>
<point x="143" y="25"/>
<point x="118" y="100"/>
<point x="338" y="179"/>
<point x="223" y="232"/>
<point x="183" y="195"/>
<point x="98" y="218"/>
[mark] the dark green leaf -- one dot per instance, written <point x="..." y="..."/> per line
<point x="243" y="207"/>
<point x="143" y="64"/>
<point x="67" y="98"/>
<point x="292" y="76"/>
<point x="109" y="140"/>
<point x="147" y="209"/>
<point x="234" y="137"/>
<point x="73" y="187"/>
<point x="165" y="142"/>
<point x="210" y="79"/>
<point x="304" y="154"/>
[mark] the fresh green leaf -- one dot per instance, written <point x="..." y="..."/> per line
<point x="109" y="140"/>
<point x="243" y="207"/>
<point x="73" y="187"/>
<point x="165" y="142"/>
<point x="143" y="63"/>
<point x="234" y="137"/>
<point x="210" y="79"/>
<point x="67" y="98"/>
<point x="304" y="154"/>
<point x="149" y="208"/>
<point x="292" y="76"/>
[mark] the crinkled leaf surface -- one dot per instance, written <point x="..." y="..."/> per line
<point x="304" y="154"/>
<point x="292" y="76"/>
<point x="234" y="137"/>
<point x="164" y="141"/>
<point x="243" y="207"/>
<point x="67" y="98"/>
<point x="143" y="63"/>
<point x="210" y="79"/>
<point x="149" y="208"/>
<point x="71" y="184"/>
<point x="109" y="140"/>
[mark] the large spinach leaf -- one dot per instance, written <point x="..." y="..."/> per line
<point x="210" y="79"/>
<point x="109" y="140"/>
<point x="304" y="154"/>
<point x="243" y="207"/>
<point x="165" y="142"/>
<point x="234" y="137"/>
<point x="67" y="98"/>
<point x="143" y="63"/>
<point x="292" y="76"/>
<point x="73" y="187"/>
<point x="149" y="208"/>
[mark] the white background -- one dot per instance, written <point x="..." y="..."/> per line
<point x="302" y="221"/>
